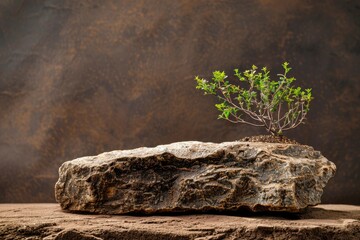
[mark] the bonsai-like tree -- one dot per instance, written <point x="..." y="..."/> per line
<point x="275" y="105"/>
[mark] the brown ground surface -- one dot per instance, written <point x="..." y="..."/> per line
<point x="48" y="221"/>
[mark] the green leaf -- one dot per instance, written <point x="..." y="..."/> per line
<point x="219" y="76"/>
<point x="227" y="113"/>
<point x="220" y="106"/>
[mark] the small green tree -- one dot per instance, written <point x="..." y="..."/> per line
<point x="275" y="105"/>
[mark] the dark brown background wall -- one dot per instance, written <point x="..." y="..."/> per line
<point x="82" y="77"/>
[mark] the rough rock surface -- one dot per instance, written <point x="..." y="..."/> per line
<point x="47" y="221"/>
<point x="195" y="176"/>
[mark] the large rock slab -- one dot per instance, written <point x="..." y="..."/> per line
<point x="48" y="222"/>
<point x="195" y="176"/>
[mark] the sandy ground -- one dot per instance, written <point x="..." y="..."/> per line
<point x="48" y="221"/>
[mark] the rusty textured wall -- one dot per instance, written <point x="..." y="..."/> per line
<point x="82" y="77"/>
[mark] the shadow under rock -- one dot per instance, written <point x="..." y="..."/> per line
<point x="244" y="212"/>
<point x="308" y="213"/>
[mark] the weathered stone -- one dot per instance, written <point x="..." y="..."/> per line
<point x="48" y="222"/>
<point x="195" y="176"/>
